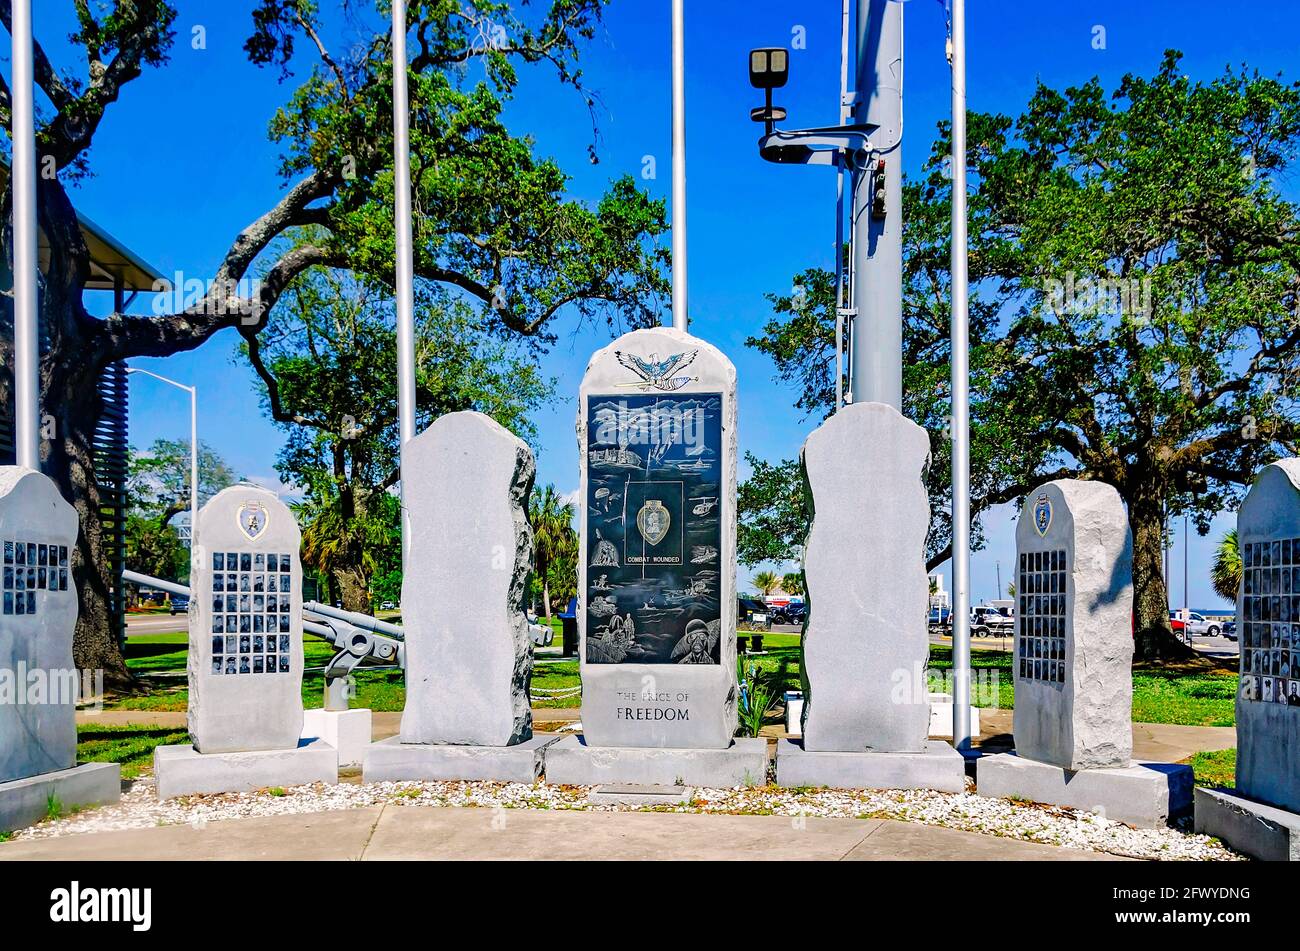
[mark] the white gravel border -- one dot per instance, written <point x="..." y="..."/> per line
<point x="140" y="809"/>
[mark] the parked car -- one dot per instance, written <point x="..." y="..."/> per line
<point x="180" y="604"/>
<point x="1229" y="630"/>
<point x="940" y="617"/>
<point x="1196" y="624"/>
<point x="541" y="634"/>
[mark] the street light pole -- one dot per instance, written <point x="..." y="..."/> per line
<point x="961" y="727"/>
<point x="27" y="354"/>
<point x="680" y="313"/>
<point x="194" y="452"/>
<point x="403" y="284"/>
<point x="876" y="369"/>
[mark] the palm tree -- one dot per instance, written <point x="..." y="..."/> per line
<point x="766" y="582"/>
<point x="552" y="530"/>
<point x="792" y="583"/>
<point x="1225" y="575"/>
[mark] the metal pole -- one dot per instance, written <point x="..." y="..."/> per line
<point x="194" y="473"/>
<point x="960" y="394"/>
<point x="846" y="115"/>
<point x="405" y="276"/>
<point x="1187" y="606"/>
<point x="877" y="337"/>
<point x="680" y="318"/>
<point x="27" y="351"/>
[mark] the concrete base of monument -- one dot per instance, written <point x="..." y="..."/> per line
<point x="571" y="762"/>
<point x="1146" y="795"/>
<point x="1253" y="828"/>
<point x="24" y="802"/>
<point x="183" y="771"/>
<point x="348" y="731"/>
<point x="392" y="761"/>
<point x="938" y="767"/>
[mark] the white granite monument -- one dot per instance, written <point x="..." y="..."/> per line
<point x="865" y="644"/>
<point x="245" y="656"/>
<point x="469" y="659"/>
<point x="1073" y="665"/>
<point x="39" y="684"/>
<point x="656" y="571"/>
<point x="1261" y="816"/>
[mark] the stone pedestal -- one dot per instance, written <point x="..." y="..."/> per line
<point x="25" y="802"/>
<point x="245" y="656"/>
<point x="936" y="766"/>
<point x="572" y="762"/>
<point x="1146" y="795"/>
<point x="865" y="643"/>
<point x="468" y="654"/>
<point x="1253" y="828"/>
<point x="657" y="617"/>
<point x="348" y="731"/>
<point x="183" y="771"/>
<point x="391" y="760"/>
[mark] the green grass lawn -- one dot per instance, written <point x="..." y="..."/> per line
<point x="1195" y="699"/>
<point x="1215" y="768"/>
<point x="131" y="745"/>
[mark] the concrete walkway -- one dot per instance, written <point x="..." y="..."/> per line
<point x="418" y="833"/>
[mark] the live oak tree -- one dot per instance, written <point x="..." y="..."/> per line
<point x="1135" y="321"/>
<point x="325" y="364"/>
<point x="493" y="219"/>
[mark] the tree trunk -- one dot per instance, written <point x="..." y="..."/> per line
<point x="354" y="589"/>
<point x="71" y="408"/>
<point x="546" y="598"/>
<point x="1154" y="637"/>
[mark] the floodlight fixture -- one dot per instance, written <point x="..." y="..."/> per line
<point x="769" y="68"/>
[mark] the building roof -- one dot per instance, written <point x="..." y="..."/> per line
<point x="109" y="258"/>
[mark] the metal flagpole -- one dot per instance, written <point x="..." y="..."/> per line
<point x="27" y="354"/>
<point x="960" y="394"/>
<point x="680" y="318"/>
<point x="403" y="284"/>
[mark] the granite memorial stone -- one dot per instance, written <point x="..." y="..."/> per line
<point x="657" y="618"/>
<point x="39" y="683"/>
<point x="245" y="657"/>
<point x="866" y="712"/>
<point x="1072" y="665"/>
<point x="866" y="641"/>
<point x="1262" y="815"/>
<point x="468" y="655"/>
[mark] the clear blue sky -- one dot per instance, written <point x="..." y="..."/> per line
<point x="183" y="163"/>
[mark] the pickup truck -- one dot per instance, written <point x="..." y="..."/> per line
<point x="1195" y="624"/>
<point x="991" y="621"/>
